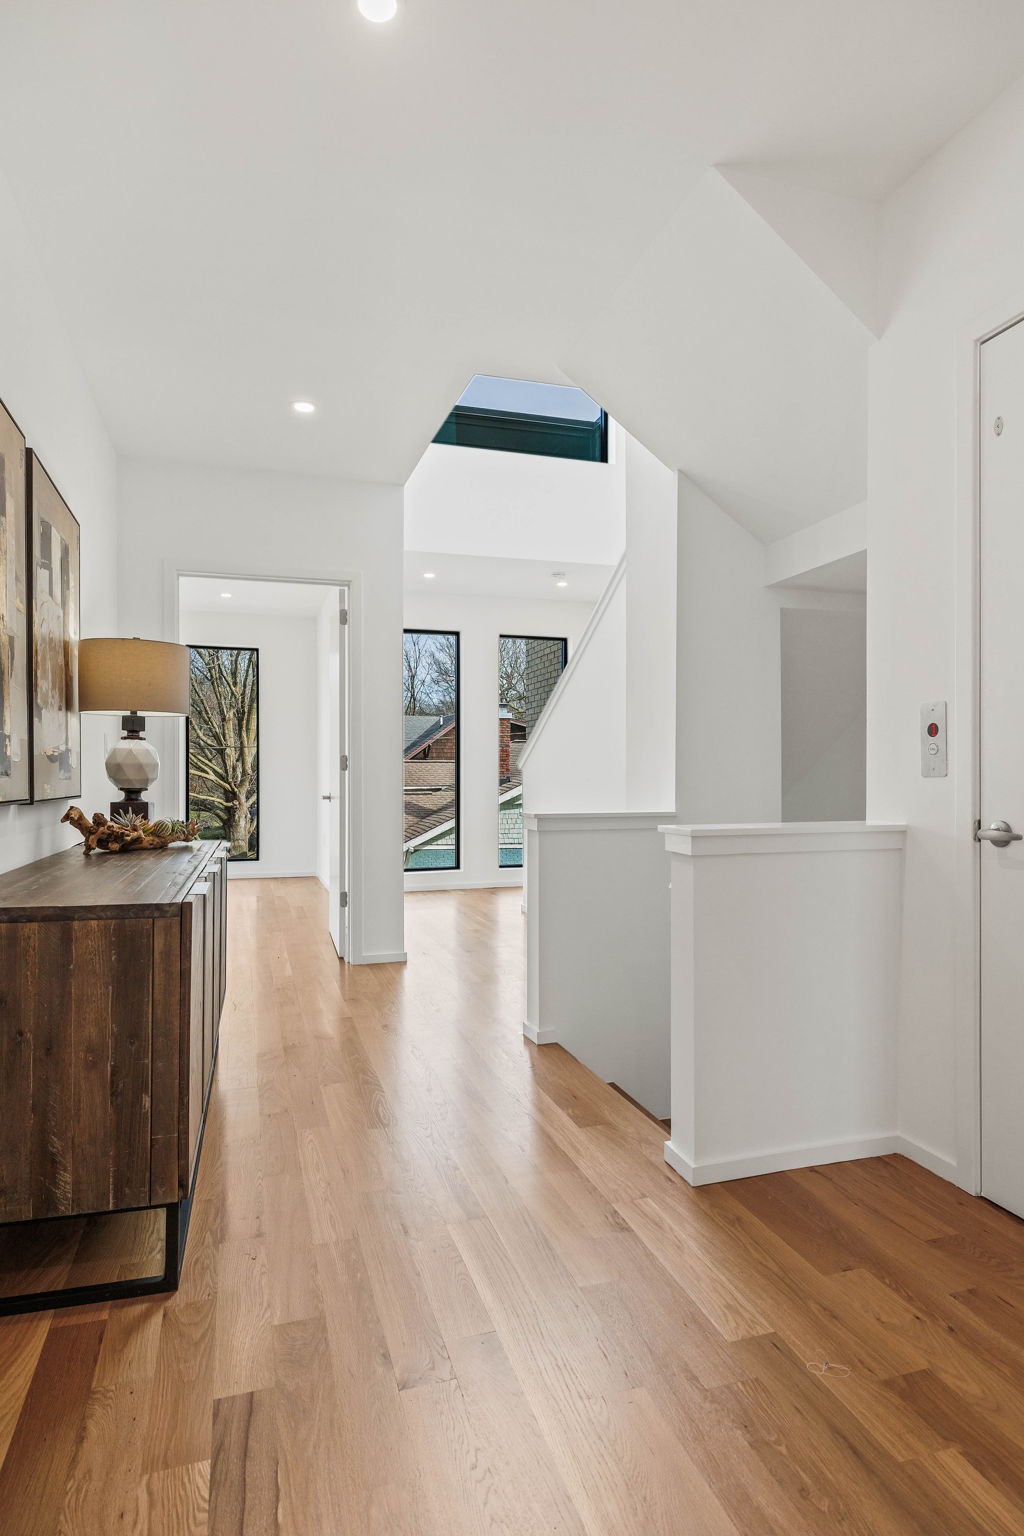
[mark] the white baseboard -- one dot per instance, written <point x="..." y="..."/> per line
<point x="240" y="871"/>
<point x="539" y="1036"/>
<point x="780" y="1161"/>
<point x="381" y="957"/>
<point x="460" y="885"/>
<point x="945" y="1167"/>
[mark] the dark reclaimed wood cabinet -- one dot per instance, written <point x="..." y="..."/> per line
<point x="112" y="979"/>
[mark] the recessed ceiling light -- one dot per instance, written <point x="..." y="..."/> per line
<point x="303" y="407"/>
<point x="378" y="10"/>
<point x="559" y="578"/>
<point x="429" y="575"/>
<point x="225" y="594"/>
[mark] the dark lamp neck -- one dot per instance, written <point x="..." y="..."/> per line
<point x="133" y="725"/>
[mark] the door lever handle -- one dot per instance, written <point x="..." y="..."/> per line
<point x="1000" y="834"/>
<point x="326" y="797"/>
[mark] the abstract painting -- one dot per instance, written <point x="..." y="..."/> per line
<point x="223" y="746"/>
<point x="56" y="556"/>
<point x="15" y="712"/>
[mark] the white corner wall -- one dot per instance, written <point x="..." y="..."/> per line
<point x="824" y="714"/>
<point x="44" y="388"/>
<point x="288" y="732"/>
<point x="729" y="723"/>
<point x="480" y="621"/>
<point x="951" y="243"/>
<point x="189" y="518"/>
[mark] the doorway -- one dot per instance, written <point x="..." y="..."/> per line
<point x="266" y="751"/>
<point x="1000" y="850"/>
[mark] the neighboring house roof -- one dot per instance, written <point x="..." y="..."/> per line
<point x="414" y="726"/>
<point x="421" y="730"/>
<point x="429" y="773"/>
<point x="428" y="812"/>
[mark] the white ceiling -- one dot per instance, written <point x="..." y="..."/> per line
<point x="294" y="599"/>
<point x="498" y="576"/>
<point x="238" y="203"/>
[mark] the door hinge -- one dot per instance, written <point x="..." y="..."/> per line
<point x="342" y="615"/>
<point x="343" y="899"/>
<point x="343" y="762"/>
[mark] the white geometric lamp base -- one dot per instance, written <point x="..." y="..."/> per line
<point x="133" y="764"/>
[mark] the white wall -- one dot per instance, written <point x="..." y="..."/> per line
<point x="728" y="728"/>
<point x="518" y="506"/>
<point x="729" y="746"/>
<point x="651" y="519"/>
<point x="232" y="522"/>
<point x="480" y="621"/>
<point x="952" y="238"/>
<point x="576" y="759"/>
<point x="624" y="674"/>
<point x="43" y="387"/>
<point x="288" y="731"/>
<point x="824" y="715"/>
<point x="597" y="966"/>
<point x="785" y="960"/>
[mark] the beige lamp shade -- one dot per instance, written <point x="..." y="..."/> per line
<point x="116" y="677"/>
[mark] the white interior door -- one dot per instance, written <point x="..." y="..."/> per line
<point x="1002" y="768"/>
<point x="337" y="672"/>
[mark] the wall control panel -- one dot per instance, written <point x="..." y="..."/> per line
<point x="933" y="741"/>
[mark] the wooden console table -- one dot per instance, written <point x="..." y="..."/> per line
<point x="112" y="977"/>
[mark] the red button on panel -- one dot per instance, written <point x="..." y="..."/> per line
<point x="933" y="729"/>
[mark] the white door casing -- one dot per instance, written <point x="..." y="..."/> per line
<point x="337" y="676"/>
<point x="1001" y="769"/>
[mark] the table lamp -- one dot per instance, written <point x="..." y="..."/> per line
<point x="133" y="679"/>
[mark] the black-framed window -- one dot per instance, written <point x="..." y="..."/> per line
<point x="222" y="746"/>
<point x="529" y="667"/>
<point x="430" y="749"/>
<point x="516" y="416"/>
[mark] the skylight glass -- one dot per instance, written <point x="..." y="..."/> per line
<point x="486" y="393"/>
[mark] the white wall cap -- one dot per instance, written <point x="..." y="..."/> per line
<point x="692" y="841"/>
<point x="594" y="821"/>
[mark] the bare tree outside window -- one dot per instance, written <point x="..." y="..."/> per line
<point x="223" y="746"/>
<point x="430" y="752"/>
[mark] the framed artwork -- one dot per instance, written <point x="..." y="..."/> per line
<point x="222" y="746"/>
<point x="56" y="562"/>
<point x="15" y="649"/>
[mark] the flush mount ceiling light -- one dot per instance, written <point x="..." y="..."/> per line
<point x="225" y="594"/>
<point x="429" y="575"/>
<point x="559" y="578"/>
<point x="378" y="10"/>
<point x="303" y="407"/>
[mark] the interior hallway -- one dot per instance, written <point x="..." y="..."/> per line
<point x="441" y="1281"/>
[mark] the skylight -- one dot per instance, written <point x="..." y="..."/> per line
<point x="526" y="399"/>
<point x="517" y="416"/>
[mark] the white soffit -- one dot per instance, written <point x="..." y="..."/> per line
<point x="733" y="361"/>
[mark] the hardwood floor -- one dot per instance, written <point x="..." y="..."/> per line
<point x="440" y="1281"/>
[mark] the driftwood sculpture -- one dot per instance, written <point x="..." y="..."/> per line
<point x="128" y="832"/>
